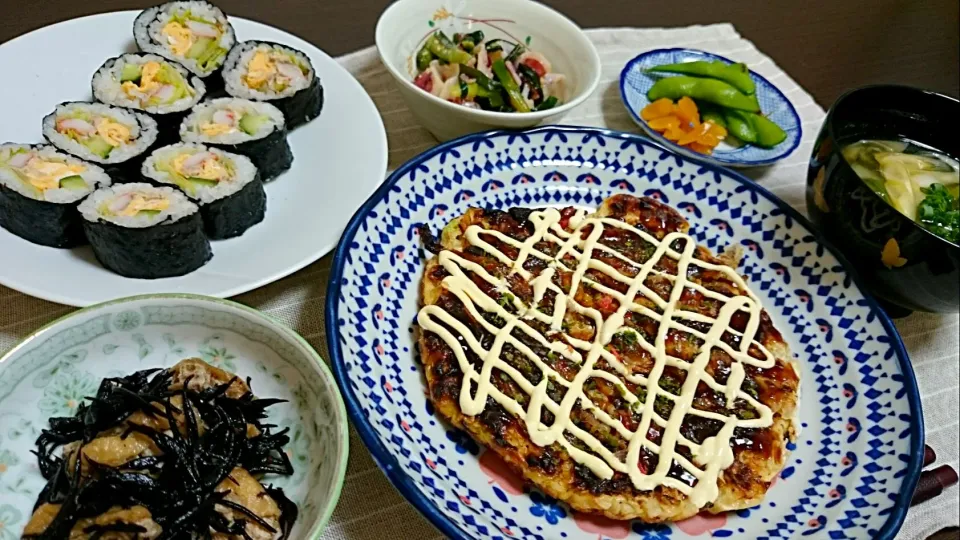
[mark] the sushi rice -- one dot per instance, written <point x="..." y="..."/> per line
<point x="261" y="70"/>
<point x="265" y="71"/>
<point x="204" y="174"/>
<point x="231" y="121"/>
<point x="195" y="34"/>
<point x="241" y="126"/>
<point x="137" y="205"/>
<point x="100" y="133"/>
<point x="141" y="231"/>
<point x="227" y="186"/>
<point x="39" y="191"/>
<point x="43" y="173"/>
<point x="147" y="82"/>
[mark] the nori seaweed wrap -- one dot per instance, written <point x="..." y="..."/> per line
<point x="241" y="126"/>
<point x="147" y="82"/>
<point x="275" y="73"/>
<point x="39" y="191"/>
<point x="141" y="231"/>
<point x="226" y="186"/>
<point x="195" y="34"/>
<point x="116" y="139"/>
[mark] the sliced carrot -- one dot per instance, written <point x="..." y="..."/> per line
<point x="664" y="123"/>
<point x="716" y="130"/>
<point x="687" y="111"/>
<point x="691" y="136"/>
<point x="674" y="134"/>
<point x="708" y="139"/>
<point x="697" y="147"/>
<point x="659" y="108"/>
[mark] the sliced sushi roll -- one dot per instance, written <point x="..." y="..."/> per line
<point x="249" y="128"/>
<point x="150" y="83"/>
<point x="226" y="186"/>
<point x="195" y="34"/>
<point x="265" y="71"/>
<point x="116" y="139"/>
<point x="39" y="191"/>
<point x="141" y="231"/>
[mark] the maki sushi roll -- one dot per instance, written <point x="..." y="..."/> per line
<point x="265" y="71"/>
<point x="39" y="191"/>
<point x="114" y="138"/>
<point x="226" y="186"/>
<point x="141" y="231"/>
<point x="249" y="128"/>
<point x="150" y="83"/>
<point x="195" y="34"/>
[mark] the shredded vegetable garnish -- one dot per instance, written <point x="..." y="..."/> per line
<point x="494" y="75"/>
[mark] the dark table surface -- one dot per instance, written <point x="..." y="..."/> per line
<point x="826" y="46"/>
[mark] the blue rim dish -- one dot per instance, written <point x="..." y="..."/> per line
<point x="634" y="99"/>
<point x="402" y="480"/>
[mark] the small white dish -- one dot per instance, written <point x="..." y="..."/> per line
<point x="339" y="160"/>
<point x="404" y="26"/>
<point x="52" y="371"/>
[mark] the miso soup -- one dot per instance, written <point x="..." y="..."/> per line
<point x="921" y="183"/>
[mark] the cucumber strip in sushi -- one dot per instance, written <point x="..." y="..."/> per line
<point x="39" y="191"/>
<point x="116" y="139"/>
<point x="150" y="83"/>
<point x="249" y="128"/>
<point x="141" y="231"/>
<point x="195" y="34"/>
<point x="226" y="186"/>
<point x="265" y="71"/>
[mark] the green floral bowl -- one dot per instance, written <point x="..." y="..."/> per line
<point x="53" y="370"/>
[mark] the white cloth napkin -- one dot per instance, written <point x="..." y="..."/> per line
<point x="369" y="508"/>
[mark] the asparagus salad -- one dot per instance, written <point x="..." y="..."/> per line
<point x="495" y="75"/>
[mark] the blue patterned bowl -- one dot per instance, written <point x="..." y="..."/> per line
<point x="53" y="370"/>
<point x="634" y="84"/>
<point x="854" y="466"/>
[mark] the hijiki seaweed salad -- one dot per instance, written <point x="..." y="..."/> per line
<point x="164" y="454"/>
<point x="495" y="75"/>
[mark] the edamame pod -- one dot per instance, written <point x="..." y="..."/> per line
<point x="736" y="75"/>
<point x="740" y="126"/>
<point x="769" y="134"/>
<point x="712" y="115"/>
<point x="711" y="90"/>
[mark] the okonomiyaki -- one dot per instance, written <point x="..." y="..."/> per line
<point x="607" y="358"/>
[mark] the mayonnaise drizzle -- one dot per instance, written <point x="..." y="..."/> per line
<point x="710" y="457"/>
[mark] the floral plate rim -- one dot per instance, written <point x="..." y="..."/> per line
<point x="398" y="475"/>
<point x="736" y="162"/>
<point x="340" y="477"/>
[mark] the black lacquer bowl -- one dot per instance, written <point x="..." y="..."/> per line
<point x="906" y="266"/>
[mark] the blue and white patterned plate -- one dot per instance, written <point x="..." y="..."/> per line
<point x="635" y="82"/>
<point x="856" y="463"/>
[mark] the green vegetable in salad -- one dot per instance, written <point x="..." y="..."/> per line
<point x="532" y="79"/>
<point x="548" y="103"/>
<point x="446" y="50"/>
<point x="471" y="71"/>
<point x="424" y="57"/>
<point x="510" y="86"/>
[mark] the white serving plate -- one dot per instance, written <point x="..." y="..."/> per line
<point x="339" y="160"/>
